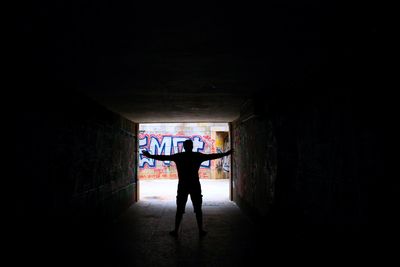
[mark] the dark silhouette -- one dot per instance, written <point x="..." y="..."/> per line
<point x="188" y="164"/>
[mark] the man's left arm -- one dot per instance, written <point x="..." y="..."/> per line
<point x="216" y="155"/>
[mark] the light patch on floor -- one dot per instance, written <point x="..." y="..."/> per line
<point x="165" y="189"/>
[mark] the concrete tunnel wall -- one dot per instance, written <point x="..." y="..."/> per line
<point x="78" y="158"/>
<point x="308" y="162"/>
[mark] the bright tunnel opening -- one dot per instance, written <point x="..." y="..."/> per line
<point x="158" y="180"/>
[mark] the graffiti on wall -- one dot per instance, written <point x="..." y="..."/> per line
<point x="168" y="145"/>
<point x="160" y="142"/>
<point x="223" y="164"/>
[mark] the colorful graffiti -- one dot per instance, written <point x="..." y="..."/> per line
<point x="167" y="139"/>
<point x="168" y="145"/>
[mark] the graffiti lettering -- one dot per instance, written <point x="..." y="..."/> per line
<point x="167" y="145"/>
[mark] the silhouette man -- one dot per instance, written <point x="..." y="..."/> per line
<point x="188" y="165"/>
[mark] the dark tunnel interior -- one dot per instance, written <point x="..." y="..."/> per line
<point x="297" y="81"/>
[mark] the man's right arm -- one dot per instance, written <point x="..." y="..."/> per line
<point x="157" y="157"/>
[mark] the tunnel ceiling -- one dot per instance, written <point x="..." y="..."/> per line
<point x="174" y="63"/>
<point x="163" y="87"/>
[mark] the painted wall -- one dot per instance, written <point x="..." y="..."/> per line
<point x="167" y="139"/>
<point x="77" y="160"/>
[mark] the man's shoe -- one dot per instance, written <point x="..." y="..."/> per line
<point x="202" y="233"/>
<point x="174" y="233"/>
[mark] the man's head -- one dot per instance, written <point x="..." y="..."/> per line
<point x="188" y="145"/>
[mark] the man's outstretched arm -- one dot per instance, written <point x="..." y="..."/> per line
<point x="217" y="155"/>
<point x="157" y="157"/>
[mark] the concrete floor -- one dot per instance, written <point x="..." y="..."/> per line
<point x="145" y="226"/>
<point x="139" y="237"/>
<point x="144" y="231"/>
<point x="165" y="189"/>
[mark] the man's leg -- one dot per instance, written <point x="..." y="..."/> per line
<point x="178" y="219"/>
<point x="199" y="218"/>
<point x="197" y="200"/>
<point x="181" y="200"/>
